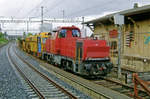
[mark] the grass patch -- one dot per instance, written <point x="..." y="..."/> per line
<point x="3" y="41"/>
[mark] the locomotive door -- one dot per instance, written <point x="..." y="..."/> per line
<point x="79" y="51"/>
<point x="39" y="44"/>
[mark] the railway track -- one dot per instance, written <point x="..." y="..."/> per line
<point x="120" y="87"/>
<point x="3" y="45"/>
<point x="39" y="84"/>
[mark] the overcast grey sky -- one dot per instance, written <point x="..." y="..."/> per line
<point x="72" y="8"/>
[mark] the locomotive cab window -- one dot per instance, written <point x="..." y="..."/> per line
<point x="63" y="33"/>
<point x="75" y="33"/>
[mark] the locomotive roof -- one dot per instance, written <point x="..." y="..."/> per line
<point x="68" y="27"/>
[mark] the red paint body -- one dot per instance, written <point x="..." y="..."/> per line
<point x="95" y="49"/>
<point x="67" y="46"/>
<point x="85" y="56"/>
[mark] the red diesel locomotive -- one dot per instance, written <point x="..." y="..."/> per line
<point x="84" y="56"/>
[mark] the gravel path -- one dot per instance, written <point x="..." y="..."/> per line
<point x="10" y="84"/>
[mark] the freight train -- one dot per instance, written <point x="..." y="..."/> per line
<point x="66" y="49"/>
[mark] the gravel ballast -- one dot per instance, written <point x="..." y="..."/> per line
<point x="37" y="65"/>
<point x="10" y="85"/>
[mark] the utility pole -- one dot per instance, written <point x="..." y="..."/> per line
<point x="119" y="21"/>
<point x="63" y="12"/>
<point x="0" y="28"/>
<point x="83" y="22"/>
<point x="119" y="50"/>
<point x="83" y="28"/>
<point x="27" y="26"/>
<point x="42" y="18"/>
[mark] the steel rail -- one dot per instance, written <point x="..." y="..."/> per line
<point x="25" y="78"/>
<point x="121" y="84"/>
<point x="3" y="45"/>
<point x="47" y="78"/>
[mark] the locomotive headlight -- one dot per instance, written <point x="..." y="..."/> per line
<point x="107" y="57"/>
<point x="145" y="60"/>
<point x="89" y="58"/>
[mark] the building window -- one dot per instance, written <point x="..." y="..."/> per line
<point x="113" y="45"/>
<point x="114" y="50"/>
<point x="130" y="32"/>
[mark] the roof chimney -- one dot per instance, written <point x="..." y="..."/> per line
<point x="135" y="5"/>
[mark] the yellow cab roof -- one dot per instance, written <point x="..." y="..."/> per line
<point x="43" y="33"/>
<point x="29" y="36"/>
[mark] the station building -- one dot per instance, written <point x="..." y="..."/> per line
<point x="135" y="49"/>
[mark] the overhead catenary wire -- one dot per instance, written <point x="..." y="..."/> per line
<point x="20" y="9"/>
<point x="43" y="3"/>
<point x="55" y="4"/>
<point x="35" y="8"/>
<point x="52" y="5"/>
<point x="89" y="8"/>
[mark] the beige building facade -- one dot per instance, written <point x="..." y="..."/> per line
<point x="135" y="46"/>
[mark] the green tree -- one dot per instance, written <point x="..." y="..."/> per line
<point x="29" y="34"/>
<point x="24" y="35"/>
<point x="1" y="35"/>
